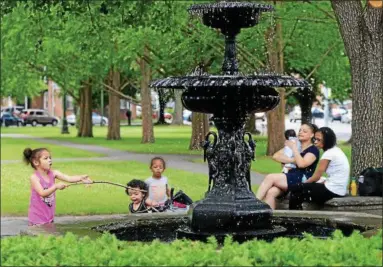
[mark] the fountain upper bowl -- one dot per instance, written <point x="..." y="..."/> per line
<point x="227" y="81"/>
<point x="229" y="15"/>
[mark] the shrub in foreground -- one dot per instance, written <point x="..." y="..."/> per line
<point x="70" y="250"/>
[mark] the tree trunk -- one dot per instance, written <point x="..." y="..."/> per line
<point x="362" y="32"/>
<point x="146" y="101"/>
<point x="161" y="99"/>
<point x="85" y="124"/>
<point x="276" y="126"/>
<point x="251" y="124"/>
<point x="200" y="128"/>
<point x="114" y="106"/>
<point x="177" y="118"/>
<point x="276" y="117"/>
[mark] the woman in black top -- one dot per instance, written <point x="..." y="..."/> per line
<point x="306" y="161"/>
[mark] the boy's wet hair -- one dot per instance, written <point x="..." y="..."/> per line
<point x="29" y="155"/>
<point x="135" y="183"/>
<point x="290" y="133"/>
<point x="158" y="158"/>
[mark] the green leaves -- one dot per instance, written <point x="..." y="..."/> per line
<point x="70" y="250"/>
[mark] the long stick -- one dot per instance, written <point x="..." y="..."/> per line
<point x="104" y="182"/>
<point x="101" y="182"/>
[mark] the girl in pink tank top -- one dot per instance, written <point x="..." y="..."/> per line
<point x="43" y="187"/>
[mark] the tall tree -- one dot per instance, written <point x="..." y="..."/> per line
<point x="276" y="117"/>
<point x="85" y="128"/>
<point x="147" y="124"/>
<point x="200" y="128"/>
<point x="178" y="117"/>
<point x="362" y="32"/>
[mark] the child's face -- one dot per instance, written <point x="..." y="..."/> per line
<point x="136" y="196"/>
<point x="157" y="168"/>
<point x="45" y="161"/>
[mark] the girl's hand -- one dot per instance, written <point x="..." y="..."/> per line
<point x="291" y="144"/>
<point x="60" y="186"/>
<point x="86" y="180"/>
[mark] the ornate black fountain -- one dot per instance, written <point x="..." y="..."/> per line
<point x="230" y="207"/>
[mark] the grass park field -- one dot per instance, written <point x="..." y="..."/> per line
<point x="101" y="198"/>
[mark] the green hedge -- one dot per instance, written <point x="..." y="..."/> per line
<point x="71" y="250"/>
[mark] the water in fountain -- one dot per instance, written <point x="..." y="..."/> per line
<point x="230" y="207"/>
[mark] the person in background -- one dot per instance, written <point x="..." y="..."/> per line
<point x="290" y="135"/>
<point x="158" y="184"/>
<point x="334" y="163"/>
<point x="129" y="116"/>
<point x="277" y="183"/>
<point x="138" y="192"/>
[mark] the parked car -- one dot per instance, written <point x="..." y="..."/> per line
<point x="336" y="113"/>
<point x="346" y="117"/>
<point x="317" y="112"/>
<point x="186" y="115"/>
<point x="16" y="110"/>
<point x="260" y="116"/>
<point x="295" y="114"/>
<point x="9" y="119"/>
<point x="167" y="115"/>
<point x="38" y="116"/>
<point x="97" y="119"/>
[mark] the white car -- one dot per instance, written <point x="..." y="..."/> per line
<point x="186" y="115"/>
<point x="96" y="119"/>
<point x="138" y="111"/>
<point x="346" y="117"/>
<point x="295" y="114"/>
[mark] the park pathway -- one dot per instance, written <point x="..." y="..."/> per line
<point x="180" y="162"/>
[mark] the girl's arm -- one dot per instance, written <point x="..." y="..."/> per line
<point x="72" y="179"/>
<point x="167" y="190"/>
<point x="322" y="167"/>
<point x="35" y="183"/>
<point x="282" y="158"/>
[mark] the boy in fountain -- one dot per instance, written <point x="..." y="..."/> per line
<point x="138" y="193"/>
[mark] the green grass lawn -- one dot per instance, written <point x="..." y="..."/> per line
<point x="12" y="149"/>
<point x="168" y="139"/>
<point x="266" y="165"/>
<point x="96" y="199"/>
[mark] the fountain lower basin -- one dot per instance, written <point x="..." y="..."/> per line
<point x="291" y="224"/>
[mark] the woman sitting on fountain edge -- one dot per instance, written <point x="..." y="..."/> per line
<point x="334" y="163"/>
<point x="306" y="160"/>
